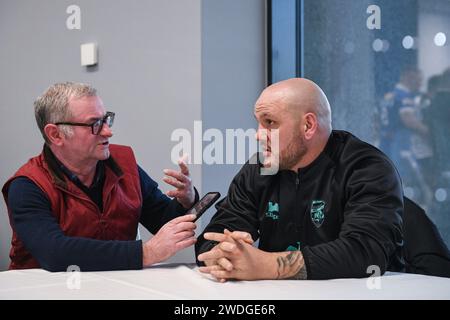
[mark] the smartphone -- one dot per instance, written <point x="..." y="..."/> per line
<point x="203" y="204"/>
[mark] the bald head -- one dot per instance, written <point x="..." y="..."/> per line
<point x="294" y="123"/>
<point x="300" y="96"/>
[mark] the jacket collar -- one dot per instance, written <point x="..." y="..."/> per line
<point x="61" y="173"/>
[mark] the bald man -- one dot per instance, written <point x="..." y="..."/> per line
<point x="332" y="210"/>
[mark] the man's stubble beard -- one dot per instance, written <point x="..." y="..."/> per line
<point x="294" y="152"/>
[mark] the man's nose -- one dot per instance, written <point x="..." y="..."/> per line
<point x="106" y="131"/>
<point x="261" y="133"/>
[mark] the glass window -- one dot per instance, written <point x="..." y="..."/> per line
<point x="284" y="31"/>
<point x="385" y="67"/>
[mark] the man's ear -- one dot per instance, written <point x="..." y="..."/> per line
<point x="53" y="134"/>
<point x="309" y="125"/>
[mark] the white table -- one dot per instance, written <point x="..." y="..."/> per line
<point x="177" y="281"/>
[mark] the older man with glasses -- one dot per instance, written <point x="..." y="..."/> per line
<point x="80" y="201"/>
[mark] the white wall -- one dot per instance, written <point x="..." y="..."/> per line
<point x="233" y="75"/>
<point x="156" y="69"/>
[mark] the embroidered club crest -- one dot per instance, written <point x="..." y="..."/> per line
<point x="317" y="212"/>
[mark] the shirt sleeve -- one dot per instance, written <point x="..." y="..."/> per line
<point x="42" y="236"/>
<point x="371" y="233"/>
<point x="157" y="208"/>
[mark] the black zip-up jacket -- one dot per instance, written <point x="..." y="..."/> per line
<point x="343" y="211"/>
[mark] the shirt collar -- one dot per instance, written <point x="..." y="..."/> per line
<point x="99" y="171"/>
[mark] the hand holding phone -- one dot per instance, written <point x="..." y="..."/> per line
<point x="203" y="204"/>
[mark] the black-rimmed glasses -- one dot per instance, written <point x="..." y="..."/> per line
<point x="97" y="126"/>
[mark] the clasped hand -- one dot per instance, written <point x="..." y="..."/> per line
<point x="234" y="257"/>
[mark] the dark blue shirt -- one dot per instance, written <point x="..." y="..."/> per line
<point x="41" y="234"/>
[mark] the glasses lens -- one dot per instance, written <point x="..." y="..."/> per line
<point x="97" y="126"/>
<point x="109" y="119"/>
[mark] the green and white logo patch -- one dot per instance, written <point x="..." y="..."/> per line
<point x="294" y="247"/>
<point x="272" y="210"/>
<point x="317" y="212"/>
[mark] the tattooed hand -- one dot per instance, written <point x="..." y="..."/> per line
<point x="249" y="263"/>
<point x="291" y="266"/>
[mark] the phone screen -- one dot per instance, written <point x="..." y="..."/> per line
<point x="203" y="204"/>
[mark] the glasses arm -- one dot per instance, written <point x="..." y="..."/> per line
<point x="73" y="124"/>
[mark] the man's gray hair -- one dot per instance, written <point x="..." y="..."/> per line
<point x="53" y="105"/>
